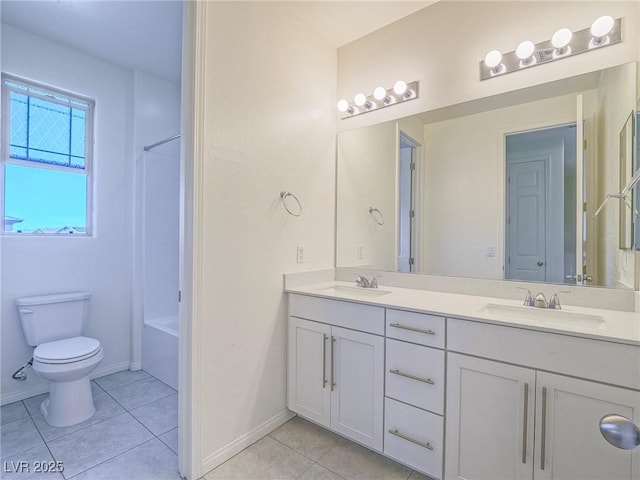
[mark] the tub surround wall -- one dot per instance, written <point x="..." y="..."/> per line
<point x="100" y="264"/>
<point x="156" y="116"/>
<point x="268" y="124"/>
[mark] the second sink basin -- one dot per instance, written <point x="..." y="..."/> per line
<point x="548" y="316"/>
<point x="354" y="291"/>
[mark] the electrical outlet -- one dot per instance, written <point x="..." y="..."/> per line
<point x="491" y="251"/>
<point x="360" y="252"/>
<point x="300" y="254"/>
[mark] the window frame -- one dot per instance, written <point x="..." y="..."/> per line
<point x="51" y="94"/>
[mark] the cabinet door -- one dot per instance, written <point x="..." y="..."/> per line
<point x="309" y="391"/>
<point x="358" y="392"/>
<point x="490" y="408"/>
<point x="568" y="440"/>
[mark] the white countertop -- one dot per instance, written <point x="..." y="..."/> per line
<point x="618" y="326"/>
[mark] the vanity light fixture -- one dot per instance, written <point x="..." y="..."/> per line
<point x="381" y="97"/>
<point x="493" y="60"/>
<point x="564" y="43"/>
<point x="560" y="41"/>
<point x="525" y="52"/>
<point x="600" y="30"/>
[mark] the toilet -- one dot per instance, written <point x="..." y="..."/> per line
<point x="54" y="325"/>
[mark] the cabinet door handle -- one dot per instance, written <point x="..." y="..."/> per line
<point x="543" y="440"/>
<point x="525" y="421"/>
<point x="324" y="361"/>
<point x="333" y="344"/>
<point x="409" y="439"/>
<point x="413" y="329"/>
<point x="412" y="377"/>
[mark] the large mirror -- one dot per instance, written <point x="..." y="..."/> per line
<point x="497" y="188"/>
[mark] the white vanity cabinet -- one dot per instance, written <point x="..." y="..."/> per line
<point x="414" y="389"/>
<point x="336" y="366"/>
<point x="519" y="422"/>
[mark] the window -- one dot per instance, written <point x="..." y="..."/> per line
<point x="46" y="160"/>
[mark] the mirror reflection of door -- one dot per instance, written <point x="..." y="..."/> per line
<point x="407" y="157"/>
<point x="540" y="243"/>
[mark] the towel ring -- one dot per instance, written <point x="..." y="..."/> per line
<point x="284" y="195"/>
<point x="379" y="218"/>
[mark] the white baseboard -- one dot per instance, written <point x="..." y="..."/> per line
<point x="225" y="453"/>
<point x="135" y="366"/>
<point x="44" y="387"/>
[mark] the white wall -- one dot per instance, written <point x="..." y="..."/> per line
<point x="156" y="116"/>
<point x="616" y="100"/>
<point x="266" y="114"/>
<point x="99" y="264"/>
<point x="464" y="184"/>
<point x="367" y="177"/>
<point x="442" y="45"/>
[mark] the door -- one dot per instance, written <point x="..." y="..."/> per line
<point x="358" y="395"/>
<point x="309" y="389"/>
<point x="490" y="408"/>
<point x="526" y="219"/>
<point x="569" y="445"/>
<point x="407" y="155"/>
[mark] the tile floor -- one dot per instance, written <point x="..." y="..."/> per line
<point x="133" y="434"/>
<point x="301" y="450"/>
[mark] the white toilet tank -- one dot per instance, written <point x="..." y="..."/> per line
<point x="46" y="318"/>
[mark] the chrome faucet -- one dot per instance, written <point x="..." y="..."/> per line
<point x="540" y="301"/>
<point x="554" y="301"/>
<point x="528" y="298"/>
<point x="364" y="283"/>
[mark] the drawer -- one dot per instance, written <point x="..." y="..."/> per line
<point x="591" y="359"/>
<point x="415" y="375"/>
<point x="355" y="316"/>
<point x="416" y="327"/>
<point x="417" y="438"/>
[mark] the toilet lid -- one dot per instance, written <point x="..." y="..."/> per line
<point x="70" y="349"/>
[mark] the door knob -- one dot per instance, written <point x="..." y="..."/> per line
<point x="540" y="264"/>
<point x="620" y="432"/>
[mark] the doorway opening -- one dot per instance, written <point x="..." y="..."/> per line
<point x="540" y="239"/>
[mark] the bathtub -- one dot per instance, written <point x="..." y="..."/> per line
<point x="160" y="349"/>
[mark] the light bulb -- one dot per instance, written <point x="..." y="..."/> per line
<point x="561" y="38"/>
<point x="602" y="26"/>
<point x="360" y="99"/>
<point x="379" y="93"/>
<point x="399" y="87"/>
<point x="343" y="105"/>
<point x="525" y="50"/>
<point x="493" y="59"/>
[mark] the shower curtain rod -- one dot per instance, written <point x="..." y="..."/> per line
<point x="161" y="142"/>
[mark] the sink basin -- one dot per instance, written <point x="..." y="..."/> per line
<point x="548" y="316"/>
<point x="355" y="291"/>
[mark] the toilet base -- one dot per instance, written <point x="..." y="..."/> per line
<point x="69" y="403"/>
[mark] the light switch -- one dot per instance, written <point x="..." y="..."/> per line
<point x="491" y="251"/>
<point x="300" y="254"/>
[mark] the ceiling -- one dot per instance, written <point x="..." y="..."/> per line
<point x="146" y="35"/>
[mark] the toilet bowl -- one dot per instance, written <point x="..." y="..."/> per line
<point x="66" y="364"/>
<point x="54" y="325"/>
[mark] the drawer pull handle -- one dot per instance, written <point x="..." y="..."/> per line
<point x="324" y="360"/>
<point x="409" y="439"/>
<point x="412" y="377"/>
<point x="413" y="329"/>
<point x="543" y="442"/>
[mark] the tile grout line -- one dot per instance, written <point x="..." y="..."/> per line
<point x="126" y="410"/>
<point x="109" y="459"/>
<point x="314" y="462"/>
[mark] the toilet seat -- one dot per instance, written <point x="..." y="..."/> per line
<point x="67" y="350"/>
